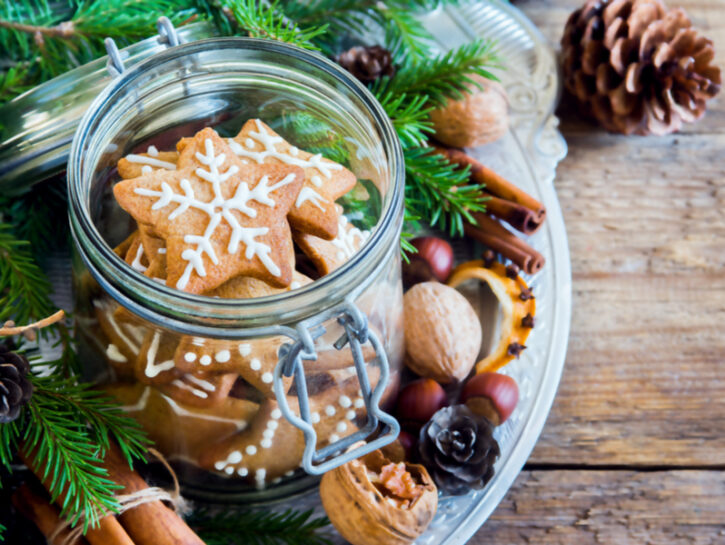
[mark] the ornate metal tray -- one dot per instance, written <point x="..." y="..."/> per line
<point x="527" y="156"/>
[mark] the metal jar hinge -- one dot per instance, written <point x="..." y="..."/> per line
<point x="167" y="36"/>
<point x="291" y="363"/>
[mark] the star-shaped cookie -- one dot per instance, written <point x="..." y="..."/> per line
<point x="138" y="164"/>
<point x="219" y="217"/>
<point x="314" y="210"/>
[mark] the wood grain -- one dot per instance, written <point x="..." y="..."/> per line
<point x="610" y="508"/>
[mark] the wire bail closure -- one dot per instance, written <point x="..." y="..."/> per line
<point x="167" y="36"/>
<point x="291" y="358"/>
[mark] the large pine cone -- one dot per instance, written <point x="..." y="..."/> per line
<point x="458" y="449"/>
<point x="15" y="388"/>
<point x="367" y="63"/>
<point x="637" y="67"/>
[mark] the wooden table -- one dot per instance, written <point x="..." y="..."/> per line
<point x="634" y="448"/>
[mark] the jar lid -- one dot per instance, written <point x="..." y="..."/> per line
<point x="37" y="127"/>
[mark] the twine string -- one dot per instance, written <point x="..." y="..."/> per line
<point x="127" y="502"/>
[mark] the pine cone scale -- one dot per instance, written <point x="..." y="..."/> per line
<point x="15" y="388"/>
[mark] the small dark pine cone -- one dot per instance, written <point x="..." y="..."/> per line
<point x="458" y="449"/>
<point x="15" y="388"/>
<point x="367" y="63"/>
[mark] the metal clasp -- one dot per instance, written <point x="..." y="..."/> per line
<point x="291" y="363"/>
<point x="167" y="36"/>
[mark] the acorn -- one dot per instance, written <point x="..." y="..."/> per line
<point x="492" y="395"/>
<point x="419" y="401"/>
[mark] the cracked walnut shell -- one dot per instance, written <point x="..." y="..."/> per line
<point x="373" y="501"/>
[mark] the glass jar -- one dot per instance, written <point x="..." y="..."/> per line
<point x="201" y="373"/>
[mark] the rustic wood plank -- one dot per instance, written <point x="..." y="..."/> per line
<point x="610" y="508"/>
<point x="643" y="383"/>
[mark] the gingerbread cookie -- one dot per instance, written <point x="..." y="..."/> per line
<point x="155" y="361"/>
<point x="272" y="447"/>
<point x="125" y="337"/>
<point x="138" y="164"/>
<point x="328" y="255"/>
<point x="199" y="389"/>
<point x="314" y="209"/>
<point x="218" y="217"/>
<point x="179" y="430"/>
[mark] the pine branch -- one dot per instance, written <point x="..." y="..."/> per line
<point x="24" y="288"/>
<point x="261" y="528"/>
<point x="267" y="20"/>
<point x="9" y="435"/>
<point x="439" y="192"/>
<point x="409" y="117"/>
<point x="444" y="76"/>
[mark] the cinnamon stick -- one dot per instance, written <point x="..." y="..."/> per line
<point x="494" y="235"/>
<point x="37" y="508"/>
<point x="516" y="215"/>
<point x="109" y="530"/>
<point x="495" y="184"/>
<point x="151" y="523"/>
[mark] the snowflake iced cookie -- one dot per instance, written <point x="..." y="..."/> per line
<point x="138" y="164"/>
<point x="314" y="210"/>
<point x="179" y="430"/>
<point x="271" y="447"/>
<point x="219" y="217"/>
<point x="328" y="255"/>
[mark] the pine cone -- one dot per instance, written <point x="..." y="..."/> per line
<point x="458" y="448"/>
<point x="637" y="67"/>
<point x="367" y="63"/>
<point x="15" y="388"/>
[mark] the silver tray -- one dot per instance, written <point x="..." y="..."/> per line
<point x="527" y="156"/>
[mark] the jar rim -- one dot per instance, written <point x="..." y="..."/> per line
<point x="173" y="306"/>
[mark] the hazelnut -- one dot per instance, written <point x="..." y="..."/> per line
<point x="492" y="395"/>
<point x="480" y="117"/>
<point x="419" y="401"/>
<point x="438" y="253"/>
<point x="442" y="332"/>
<point x="373" y="501"/>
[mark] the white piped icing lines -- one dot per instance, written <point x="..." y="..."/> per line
<point x="219" y="218"/>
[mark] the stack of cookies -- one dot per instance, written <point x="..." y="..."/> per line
<point x="226" y="218"/>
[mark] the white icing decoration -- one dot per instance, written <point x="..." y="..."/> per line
<point x="345" y="401"/>
<point x="146" y="169"/>
<point x="268" y="434"/>
<point x="229" y="470"/>
<point x="265" y="443"/>
<point x="259" y="476"/>
<point x="277" y="480"/>
<point x="272" y="424"/>
<point x="140" y="159"/>
<point x="203" y="384"/>
<point x="152" y="151"/>
<point x="359" y="403"/>
<point x="136" y="263"/>
<point x="295" y="285"/>
<point x="330" y="410"/>
<point x="242" y="472"/>
<point x="205" y="359"/>
<point x="223" y="356"/>
<point x="152" y="369"/>
<point x="309" y="194"/>
<point x="348" y="240"/>
<point x="255" y="364"/>
<point x="294" y="150"/>
<point x="315" y="418"/>
<point x="276" y="414"/>
<point x="251" y="450"/>
<point x="245" y="349"/>
<point x="190" y="357"/>
<point x="114" y="354"/>
<point x="140" y="405"/>
<point x="162" y="250"/>
<point x="219" y="209"/>
<point x="134" y="347"/>
<point x="235" y="457"/>
<point x="240" y="424"/>
<point x="316" y="180"/>
<point x="289" y="473"/>
<point x="267" y="378"/>
<point x="341" y="427"/>
<point x="350" y="415"/>
<point x="268" y="142"/>
<point x="187" y="387"/>
<point x="334" y="438"/>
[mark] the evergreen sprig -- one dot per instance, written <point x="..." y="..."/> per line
<point x="261" y="528"/>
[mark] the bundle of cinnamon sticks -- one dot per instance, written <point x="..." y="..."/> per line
<point x="507" y="203"/>
<point x="151" y="523"/>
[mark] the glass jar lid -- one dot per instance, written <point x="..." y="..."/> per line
<point x="37" y="127"/>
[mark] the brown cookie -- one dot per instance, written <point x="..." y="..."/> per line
<point x="314" y="209"/>
<point x="138" y="164"/>
<point x="199" y="389"/>
<point x="218" y="217"/>
<point x="328" y="255"/>
<point x="155" y="362"/>
<point x="179" y="430"/>
<point x="124" y="336"/>
<point x="272" y="447"/>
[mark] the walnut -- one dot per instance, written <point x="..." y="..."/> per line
<point x="480" y="117"/>
<point x="373" y="501"/>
